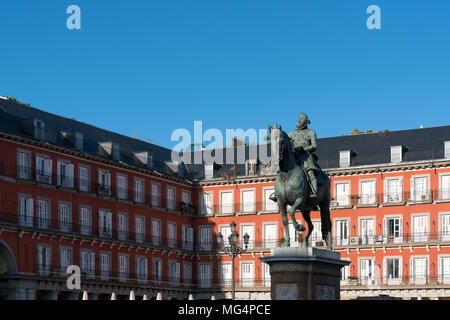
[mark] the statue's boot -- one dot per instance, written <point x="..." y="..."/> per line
<point x="313" y="180"/>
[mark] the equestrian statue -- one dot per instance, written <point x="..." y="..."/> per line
<point x="300" y="182"/>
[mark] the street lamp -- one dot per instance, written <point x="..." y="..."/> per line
<point x="232" y="249"/>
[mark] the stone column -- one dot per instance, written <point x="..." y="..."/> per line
<point x="299" y="273"/>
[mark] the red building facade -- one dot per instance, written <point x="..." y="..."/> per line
<point x="132" y="227"/>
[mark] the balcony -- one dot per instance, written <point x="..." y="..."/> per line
<point x="405" y="280"/>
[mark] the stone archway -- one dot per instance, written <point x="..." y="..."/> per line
<point x="8" y="266"/>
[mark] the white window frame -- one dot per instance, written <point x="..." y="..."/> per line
<point x="270" y="242"/>
<point x="443" y="278"/>
<point x="105" y="273"/>
<point x="24" y="169"/>
<point x="155" y="199"/>
<point x="345" y="240"/>
<point x="140" y="236"/>
<point x="225" y="281"/>
<point x="386" y="278"/>
<point x="368" y="238"/>
<point x="104" y="188"/>
<point x="399" y="238"/>
<point x="444" y="232"/>
<point x="205" y="244"/>
<point x="447" y="149"/>
<point x="417" y="196"/>
<point x="230" y="207"/>
<point x="43" y="216"/>
<point x="84" y="184"/>
<point x="123" y="274"/>
<point x="87" y="267"/>
<point x="422" y="236"/>
<point x="105" y="230"/>
<point x="247" y="282"/>
<point x="205" y="208"/>
<point x="139" y="195"/>
<point x="44" y="174"/>
<point x="65" y="259"/>
<point x="367" y="199"/>
<point x="344" y="159"/>
<point x="367" y="279"/>
<point x="444" y="190"/>
<point x="396" y="154"/>
<point x="269" y="205"/>
<point x="141" y="267"/>
<point x="187" y="276"/>
<point x="251" y="241"/>
<point x="390" y="196"/>
<point x="122" y="190"/>
<point x="157" y="269"/>
<point x="417" y="278"/>
<point x="65" y="173"/>
<point x="122" y="230"/>
<point x="44" y="266"/>
<point x="342" y="199"/>
<point x="65" y="226"/>
<point x="171" y="204"/>
<point x="205" y="279"/>
<point x="156" y="236"/>
<point x="85" y="229"/>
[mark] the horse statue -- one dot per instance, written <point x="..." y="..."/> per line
<point x="292" y="188"/>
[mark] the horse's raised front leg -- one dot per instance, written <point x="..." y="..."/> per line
<point x="297" y="226"/>
<point x="307" y="218"/>
<point x="284" y="218"/>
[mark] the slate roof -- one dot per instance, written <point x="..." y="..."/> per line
<point x="369" y="149"/>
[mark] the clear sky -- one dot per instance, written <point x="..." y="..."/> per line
<point x="150" y="67"/>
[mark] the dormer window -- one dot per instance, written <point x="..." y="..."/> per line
<point x="116" y="151"/>
<point x="181" y="170"/>
<point x="39" y="129"/>
<point x="396" y="154"/>
<point x="250" y="167"/>
<point x="209" y="170"/>
<point x="79" y="140"/>
<point x="344" y="159"/>
<point x="145" y="158"/>
<point x="447" y="149"/>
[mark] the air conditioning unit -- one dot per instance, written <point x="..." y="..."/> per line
<point x="354" y="240"/>
<point x="378" y="238"/>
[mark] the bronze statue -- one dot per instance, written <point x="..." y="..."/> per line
<point x="300" y="181"/>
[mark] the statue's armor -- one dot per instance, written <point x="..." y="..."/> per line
<point x="302" y="138"/>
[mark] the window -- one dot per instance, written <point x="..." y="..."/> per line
<point x="226" y="202"/>
<point x="251" y="168"/>
<point x="419" y="189"/>
<point x="65" y="258"/>
<point x="368" y="193"/>
<point x="316" y="235"/>
<point x="266" y="276"/>
<point x="393" y="229"/>
<point x="123" y="267"/>
<point x="444" y="269"/>
<point x="206" y="203"/>
<point x="104" y="223"/>
<point x="65" y="174"/>
<point x="205" y="235"/>
<point x="116" y="151"/>
<point x="367" y="230"/>
<point x="344" y="158"/>
<point x="342" y="232"/>
<point x="172" y="235"/>
<point x="225" y="230"/>
<point x="79" y="140"/>
<point x="269" y="205"/>
<point x="187" y="235"/>
<point x="270" y="235"/>
<point x="156" y="232"/>
<point x="447" y="149"/>
<point x="156" y="195"/>
<point x="88" y="263"/>
<point x="186" y="197"/>
<point x="247" y="274"/>
<point x="139" y="190"/>
<point x="174" y="272"/>
<point x="444" y="226"/>
<point x="43" y="170"/>
<point x="444" y="192"/>
<point x="65" y="217"/>
<point x="367" y="271"/>
<point x="122" y="187"/>
<point x="419" y="270"/>
<point x="205" y="275"/>
<point x="250" y="230"/>
<point x="42" y="214"/>
<point x="345" y="273"/>
<point x="392" y="270"/>
<point x="85" y="221"/>
<point x="83" y="178"/>
<point x="39" y="129"/>
<point x="393" y="190"/>
<point x="209" y="171"/>
<point x="122" y="226"/>
<point x="157" y="269"/>
<point x="248" y="200"/>
<point x="171" y="198"/>
<point x="396" y="154"/>
<point x="343" y="194"/>
<point x="140" y="229"/>
<point x="105" y="265"/>
<point x="23" y="164"/>
<point x="187" y="272"/>
<point x="225" y="274"/>
<point x="104" y="182"/>
<point x="44" y="258"/>
<point x="420" y="228"/>
<point x="141" y="268"/>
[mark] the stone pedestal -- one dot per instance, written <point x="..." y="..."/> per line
<point x="299" y="273"/>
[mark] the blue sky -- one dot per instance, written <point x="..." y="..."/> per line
<point x="150" y="67"/>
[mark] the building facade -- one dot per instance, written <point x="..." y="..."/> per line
<point x="131" y="219"/>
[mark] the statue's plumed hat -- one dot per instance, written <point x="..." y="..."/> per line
<point x="303" y="120"/>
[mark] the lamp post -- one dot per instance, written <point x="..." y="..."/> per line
<point x="232" y="249"/>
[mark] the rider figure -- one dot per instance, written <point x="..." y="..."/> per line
<point x="304" y="144"/>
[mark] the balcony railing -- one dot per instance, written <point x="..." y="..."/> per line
<point x="397" y="280"/>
